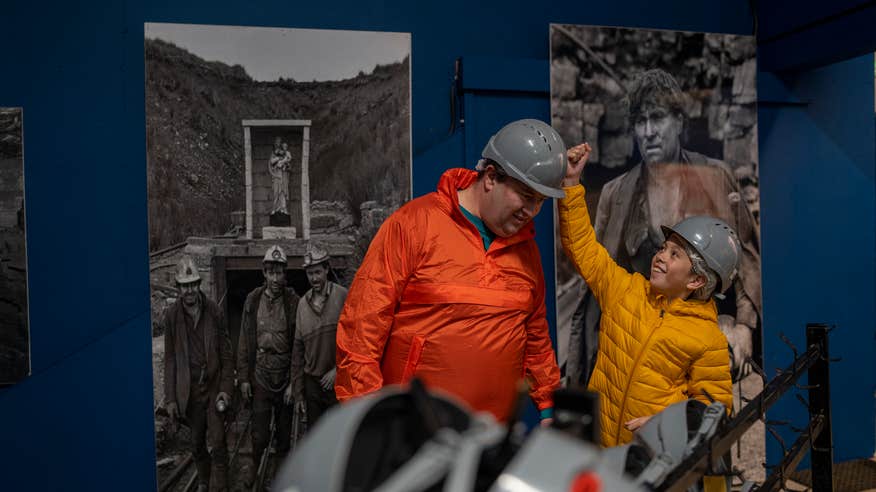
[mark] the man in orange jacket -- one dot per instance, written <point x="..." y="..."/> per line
<point x="452" y="291"/>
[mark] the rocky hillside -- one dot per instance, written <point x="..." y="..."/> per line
<point x="359" y="139"/>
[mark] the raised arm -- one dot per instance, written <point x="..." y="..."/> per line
<point x="591" y="260"/>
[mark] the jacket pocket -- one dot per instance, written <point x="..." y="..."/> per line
<point x="414" y="353"/>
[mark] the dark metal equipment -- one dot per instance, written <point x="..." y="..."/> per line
<point x="815" y="436"/>
<point x="263" y="461"/>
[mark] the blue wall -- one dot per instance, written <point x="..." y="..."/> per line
<point x="816" y="132"/>
<point x="83" y="421"/>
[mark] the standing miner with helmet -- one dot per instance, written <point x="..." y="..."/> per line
<point x="452" y="290"/>
<point x="659" y="341"/>
<point x="264" y="355"/>
<point x="198" y="373"/>
<point x="313" y="354"/>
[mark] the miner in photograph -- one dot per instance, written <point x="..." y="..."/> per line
<point x="452" y="291"/>
<point x="264" y="357"/>
<point x="670" y="183"/>
<point x="313" y="353"/>
<point x="198" y="373"/>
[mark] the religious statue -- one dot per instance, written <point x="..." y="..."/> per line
<point x="278" y="167"/>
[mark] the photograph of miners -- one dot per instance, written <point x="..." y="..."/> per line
<point x="672" y="120"/>
<point x="273" y="157"/>
<point x="14" y="328"/>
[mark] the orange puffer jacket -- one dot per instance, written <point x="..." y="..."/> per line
<point x="652" y="352"/>
<point x="429" y="301"/>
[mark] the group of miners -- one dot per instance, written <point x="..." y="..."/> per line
<point x="285" y="360"/>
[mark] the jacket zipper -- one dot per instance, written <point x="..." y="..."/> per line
<point x="632" y="372"/>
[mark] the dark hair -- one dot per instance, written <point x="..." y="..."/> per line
<point x="501" y="175"/>
<point x="698" y="266"/>
<point x="658" y="87"/>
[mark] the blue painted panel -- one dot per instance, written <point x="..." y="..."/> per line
<point x="835" y="39"/>
<point x="506" y="74"/>
<point x="86" y="424"/>
<point x="84" y="178"/>
<point x="778" y="18"/>
<point x="817" y="202"/>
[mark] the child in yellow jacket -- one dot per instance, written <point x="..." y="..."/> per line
<point x="659" y="341"/>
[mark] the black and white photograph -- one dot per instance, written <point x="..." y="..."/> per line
<point x="273" y="156"/>
<point x="14" y="331"/>
<point x="671" y="117"/>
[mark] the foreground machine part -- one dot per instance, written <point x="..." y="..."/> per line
<point x="669" y="437"/>
<point x="396" y="440"/>
<point x="554" y="461"/>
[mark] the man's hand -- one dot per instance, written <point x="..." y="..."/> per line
<point x="636" y="423"/>
<point x="173" y="410"/>
<point x="173" y="415"/>
<point x="302" y="407"/>
<point x="287" y="395"/>
<point x="246" y="391"/>
<point x="225" y="399"/>
<point x="328" y="379"/>
<point x="739" y="339"/>
<point x="578" y="156"/>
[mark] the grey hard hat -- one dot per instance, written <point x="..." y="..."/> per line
<point x="715" y="241"/>
<point x="187" y="271"/>
<point x="532" y="152"/>
<point x="275" y="254"/>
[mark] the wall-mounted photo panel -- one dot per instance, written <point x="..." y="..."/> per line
<point x="14" y="333"/>
<point x="265" y="147"/>
<point x="672" y="120"/>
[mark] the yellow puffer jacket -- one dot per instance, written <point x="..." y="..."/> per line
<point x="652" y="352"/>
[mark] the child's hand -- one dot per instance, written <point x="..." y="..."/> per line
<point x="578" y="156"/>
<point x="636" y="423"/>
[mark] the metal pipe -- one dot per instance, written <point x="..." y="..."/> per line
<point x="792" y="458"/>
<point x="175" y="474"/>
<point x="695" y="465"/>
<point x="819" y="404"/>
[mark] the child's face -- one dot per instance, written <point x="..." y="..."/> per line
<point x="671" y="273"/>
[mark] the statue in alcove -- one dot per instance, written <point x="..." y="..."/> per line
<point x="278" y="167"/>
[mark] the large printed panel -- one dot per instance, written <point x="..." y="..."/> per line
<point x="264" y="146"/>
<point x="14" y="333"/>
<point x="672" y="120"/>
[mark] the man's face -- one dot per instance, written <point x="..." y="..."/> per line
<point x="275" y="277"/>
<point x="189" y="292"/>
<point x="658" y="134"/>
<point x="317" y="275"/>
<point x="510" y="205"/>
<point x="671" y="273"/>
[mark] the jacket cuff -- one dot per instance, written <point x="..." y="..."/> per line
<point x="574" y="189"/>
<point x="573" y="194"/>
